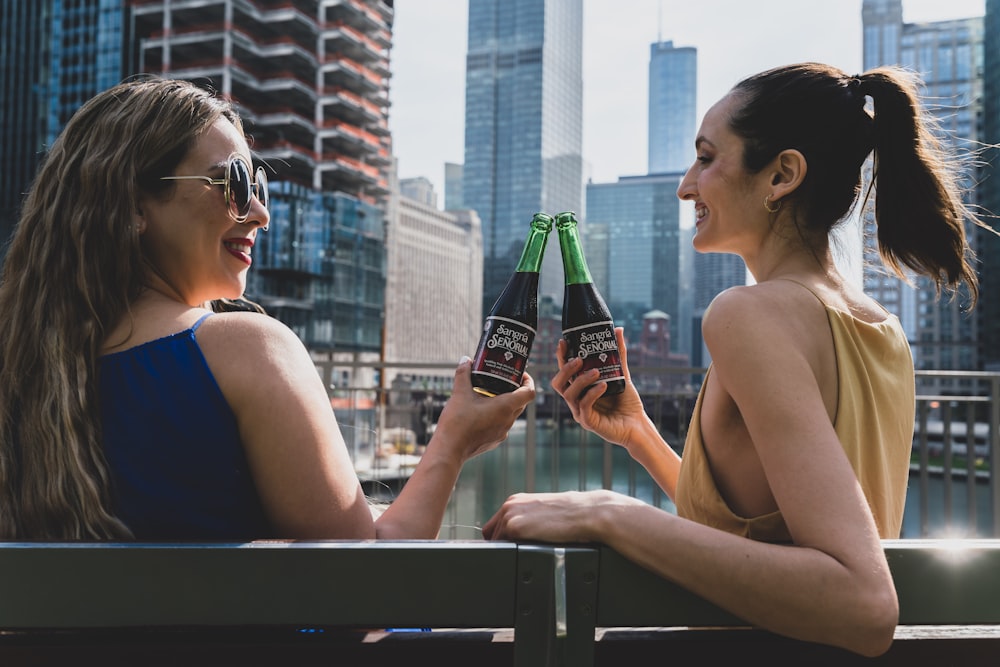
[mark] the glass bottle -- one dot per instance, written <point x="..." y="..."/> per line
<point x="509" y="330"/>
<point x="588" y="327"/>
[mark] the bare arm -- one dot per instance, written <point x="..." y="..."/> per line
<point x="470" y="424"/>
<point x="620" y="419"/>
<point x="832" y="585"/>
<point x="297" y="453"/>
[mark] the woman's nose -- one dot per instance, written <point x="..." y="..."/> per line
<point x="259" y="214"/>
<point x="686" y="189"/>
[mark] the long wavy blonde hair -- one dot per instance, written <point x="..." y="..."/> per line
<point x="73" y="268"/>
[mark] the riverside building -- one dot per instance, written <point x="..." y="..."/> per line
<point x="523" y="128"/>
<point x="948" y="55"/>
<point x="311" y="80"/>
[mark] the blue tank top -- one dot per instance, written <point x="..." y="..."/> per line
<point x="173" y="449"/>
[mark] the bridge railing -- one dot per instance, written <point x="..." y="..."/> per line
<point x="953" y="489"/>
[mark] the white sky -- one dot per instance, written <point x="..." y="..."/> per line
<point x="734" y="38"/>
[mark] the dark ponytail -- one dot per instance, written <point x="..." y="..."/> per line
<point x="918" y="205"/>
<point x="821" y="112"/>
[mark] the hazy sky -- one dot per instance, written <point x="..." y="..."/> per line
<point x="734" y="38"/>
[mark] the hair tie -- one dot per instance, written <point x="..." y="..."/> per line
<point x="854" y="86"/>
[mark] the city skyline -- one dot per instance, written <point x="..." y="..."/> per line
<point x="427" y="89"/>
<point x="523" y="128"/>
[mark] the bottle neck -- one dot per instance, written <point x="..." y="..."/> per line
<point x="574" y="263"/>
<point x="534" y="250"/>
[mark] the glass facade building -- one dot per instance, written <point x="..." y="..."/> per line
<point x="453" y="186"/>
<point x="25" y="28"/>
<point x="988" y="245"/>
<point x="714" y="272"/>
<point x="56" y="54"/>
<point x="673" y="87"/>
<point x="641" y="271"/>
<point x="310" y="80"/>
<point x="321" y="268"/>
<point x="87" y="39"/>
<point x="948" y="55"/>
<point x="523" y="128"/>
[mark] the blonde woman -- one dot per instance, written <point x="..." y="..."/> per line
<point x="128" y="408"/>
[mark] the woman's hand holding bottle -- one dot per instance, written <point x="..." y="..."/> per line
<point x="472" y="423"/>
<point x="617" y="418"/>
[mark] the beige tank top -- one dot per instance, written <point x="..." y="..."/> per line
<point x="875" y="410"/>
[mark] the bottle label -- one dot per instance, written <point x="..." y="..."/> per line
<point x="596" y="344"/>
<point x="503" y="349"/>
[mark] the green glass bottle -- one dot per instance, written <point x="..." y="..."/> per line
<point x="588" y="327"/>
<point x="509" y="330"/>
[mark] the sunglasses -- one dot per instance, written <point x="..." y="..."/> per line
<point x="237" y="185"/>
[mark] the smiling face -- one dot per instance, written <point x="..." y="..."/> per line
<point x="190" y="237"/>
<point x="727" y="198"/>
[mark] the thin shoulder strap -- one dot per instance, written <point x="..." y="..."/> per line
<point x="805" y="287"/>
<point x="200" y="320"/>
<point x="827" y="306"/>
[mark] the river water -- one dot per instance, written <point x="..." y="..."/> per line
<point x="571" y="459"/>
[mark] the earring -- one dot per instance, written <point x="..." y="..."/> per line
<point x="138" y="225"/>
<point x="767" y="205"/>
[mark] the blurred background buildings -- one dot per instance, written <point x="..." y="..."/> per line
<point x="367" y="268"/>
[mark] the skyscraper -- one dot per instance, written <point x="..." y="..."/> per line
<point x="24" y="30"/>
<point x="672" y="126"/>
<point x="523" y="127"/>
<point x="453" y="186"/>
<point x="640" y="257"/>
<point x="56" y="55"/>
<point x="642" y="248"/>
<point x="434" y="287"/>
<point x="988" y="243"/>
<point x="673" y="89"/>
<point x="948" y="57"/>
<point x="713" y="273"/>
<point x="311" y="82"/>
<point x="419" y="189"/>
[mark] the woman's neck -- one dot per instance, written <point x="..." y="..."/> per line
<point x="779" y="257"/>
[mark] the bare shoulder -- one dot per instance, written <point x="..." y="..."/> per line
<point x="765" y="303"/>
<point x="246" y="332"/>
<point x="769" y="316"/>
<point x="733" y="302"/>
<point x="251" y="347"/>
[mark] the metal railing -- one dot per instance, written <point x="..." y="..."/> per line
<point x="956" y="444"/>
<point x="952" y="492"/>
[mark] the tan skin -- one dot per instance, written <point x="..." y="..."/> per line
<point x="767" y="425"/>
<point x="297" y="454"/>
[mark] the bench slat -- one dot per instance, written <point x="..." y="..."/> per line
<point x="556" y="599"/>
<point x="945" y="582"/>
<point x="939" y="582"/>
<point x="350" y="584"/>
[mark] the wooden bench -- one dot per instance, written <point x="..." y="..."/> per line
<point x="949" y="596"/>
<point x="366" y="603"/>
